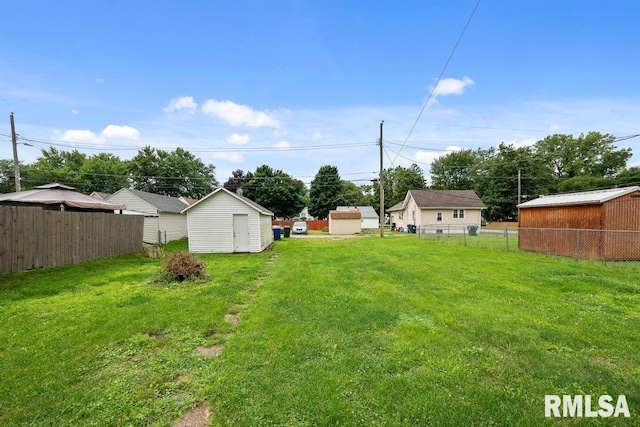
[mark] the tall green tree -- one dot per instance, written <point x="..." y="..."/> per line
<point x="54" y="165"/>
<point x="593" y="154"/>
<point x="103" y="172"/>
<point x="497" y="184"/>
<point x="275" y="190"/>
<point x="397" y="181"/>
<point x="457" y="170"/>
<point x="235" y="181"/>
<point x="325" y="193"/>
<point x="171" y="173"/>
<point x="352" y="194"/>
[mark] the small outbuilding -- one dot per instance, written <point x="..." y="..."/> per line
<point x="345" y="222"/>
<point x="227" y="222"/>
<point x="601" y="224"/>
<point x="369" y="217"/>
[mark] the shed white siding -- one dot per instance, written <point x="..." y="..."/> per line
<point x="210" y="224"/>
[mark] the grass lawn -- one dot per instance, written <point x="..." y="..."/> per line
<point x="359" y="331"/>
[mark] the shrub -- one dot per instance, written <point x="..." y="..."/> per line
<point x="325" y="229"/>
<point x="180" y="266"/>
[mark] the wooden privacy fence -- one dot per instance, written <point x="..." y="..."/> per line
<point x="31" y="237"/>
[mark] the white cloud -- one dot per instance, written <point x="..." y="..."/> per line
<point x="185" y="103"/>
<point x="282" y="145"/>
<point x="74" y="112"/>
<point x="238" y="115"/>
<point x="238" y="139"/>
<point x="451" y="86"/>
<point x="230" y="157"/>
<point x="99" y="79"/>
<point x="316" y="136"/>
<point x="121" y="132"/>
<point x="83" y="136"/>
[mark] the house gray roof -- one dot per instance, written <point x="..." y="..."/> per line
<point x="250" y="202"/>
<point x="365" y="211"/>
<point x="162" y="203"/>
<point x="429" y="199"/>
<point x="582" y="198"/>
<point x="396" y="207"/>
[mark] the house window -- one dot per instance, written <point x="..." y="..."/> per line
<point x="413" y="216"/>
<point x="439" y="217"/>
<point x="458" y="213"/>
<point x="400" y="215"/>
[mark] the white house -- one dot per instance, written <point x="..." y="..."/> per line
<point x="162" y="219"/>
<point x="226" y="222"/>
<point x="438" y="211"/>
<point x="369" y="216"/>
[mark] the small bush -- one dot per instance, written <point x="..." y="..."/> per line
<point x="325" y="229"/>
<point x="180" y="266"/>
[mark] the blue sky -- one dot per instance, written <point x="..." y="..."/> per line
<point x="297" y="85"/>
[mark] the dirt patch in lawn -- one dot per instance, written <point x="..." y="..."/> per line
<point x="232" y="318"/>
<point x="213" y="351"/>
<point x="196" y="418"/>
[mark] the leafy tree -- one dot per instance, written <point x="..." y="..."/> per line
<point x="592" y="154"/>
<point x="457" y="170"/>
<point x="275" y="190"/>
<point x="352" y="194"/>
<point x="628" y="178"/>
<point x="56" y="166"/>
<point x="498" y="183"/>
<point x="584" y="183"/>
<point x="397" y="181"/>
<point x="103" y="172"/>
<point x="325" y="192"/>
<point x="7" y="178"/>
<point x="175" y="173"/>
<point x="235" y="181"/>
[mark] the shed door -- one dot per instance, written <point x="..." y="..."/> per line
<point x="240" y="233"/>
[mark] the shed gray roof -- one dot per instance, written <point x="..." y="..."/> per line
<point x="365" y="211"/>
<point x="429" y="199"/>
<point x="582" y="198"/>
<point x="250" y="202"/>
<point x="162" y="203"/>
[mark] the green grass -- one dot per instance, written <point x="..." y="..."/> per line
<point x="358" y="331"/>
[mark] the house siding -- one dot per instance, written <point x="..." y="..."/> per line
<point x="133" y="202"/>
<point x="159" y="227"/>
<point x="210" y="225"/>
<point x="173" y="226"/>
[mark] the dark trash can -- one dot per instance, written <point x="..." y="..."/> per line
<point x="276" y="232"/>
<point x="473" y="230"/>
<point x="412" y="228"/>
<point x="287" y="231"/>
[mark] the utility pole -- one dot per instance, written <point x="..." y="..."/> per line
<point x="381" y="185"/>
<point x="16" y="165"/>
<point x="519" y="187"/>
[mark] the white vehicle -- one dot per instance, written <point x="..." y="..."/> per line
<point x="299" y="227"/>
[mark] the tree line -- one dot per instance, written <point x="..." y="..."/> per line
<point x="558" y="163"/>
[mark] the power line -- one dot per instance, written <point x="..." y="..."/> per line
<point x="439" y="77"/>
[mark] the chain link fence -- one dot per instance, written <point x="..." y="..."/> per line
<point x="604" y="245"/>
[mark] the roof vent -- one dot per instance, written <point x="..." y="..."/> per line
<point x="239" y="191"/>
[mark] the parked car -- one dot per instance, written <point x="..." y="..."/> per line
<point x="483" y="222"/>
<point x="299" y="227"/>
